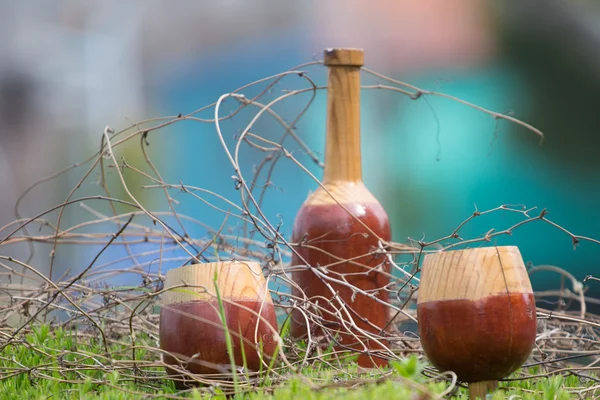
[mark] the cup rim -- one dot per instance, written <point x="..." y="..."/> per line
<point x="513" y="247"/>
<point x="228" y="263"/>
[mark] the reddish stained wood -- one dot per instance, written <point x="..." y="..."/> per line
<point x="330" y="229"/>
<point x="195" y="328"/>
<point x="481" y="340"/>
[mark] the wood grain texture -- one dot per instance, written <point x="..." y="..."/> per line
<point x="239" y="280"/>
<point x="191" y="328"/>
<point x="193" y="332"/>
<point x="327" y="234"/>
<point x="344" y="57"/>
<point x="342" y="151"/>
<point x="479" y="390"/>
<point x="481" y="340"/>
<point x="341" y="192"/>
<point x="473" y="274"/>
<point x="476" y="314"/>
<point x="335" y="236"/>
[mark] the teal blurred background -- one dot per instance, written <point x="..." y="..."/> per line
<point x="428" y="161"/>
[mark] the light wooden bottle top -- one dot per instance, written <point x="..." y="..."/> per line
<point x="344" y="57"/>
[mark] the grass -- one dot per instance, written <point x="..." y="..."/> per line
<point x="54" y="363"/>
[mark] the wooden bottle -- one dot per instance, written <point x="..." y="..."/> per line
<point x="191" y="330"/>
<point x="327" y="233"/>
<point x="476" y="314"/>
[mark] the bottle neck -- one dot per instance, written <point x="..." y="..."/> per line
<point x="342" y="144"/>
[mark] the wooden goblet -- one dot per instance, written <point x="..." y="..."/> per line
<point x="476" y="314"/>
<point x="191" y="327"/>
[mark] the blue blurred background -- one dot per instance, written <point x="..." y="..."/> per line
<point x="69" y="68"/>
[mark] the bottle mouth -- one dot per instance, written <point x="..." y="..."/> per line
<point x="348" y="57"/>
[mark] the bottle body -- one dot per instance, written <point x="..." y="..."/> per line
<point x="341" y="241"/>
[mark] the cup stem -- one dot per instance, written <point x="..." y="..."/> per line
<point x="479" y="390"/>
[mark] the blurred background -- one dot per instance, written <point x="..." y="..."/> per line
<point x="70" y="68"/>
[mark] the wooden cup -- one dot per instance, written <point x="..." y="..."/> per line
<point x="191" y="325"/>
<point x="476" y="313"/>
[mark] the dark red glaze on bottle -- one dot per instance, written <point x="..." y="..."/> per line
<point x="479" y="340"/>
<point x="332" y="230"/>
<point x="195" y="328"/>
<point x="327" y="234"/>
